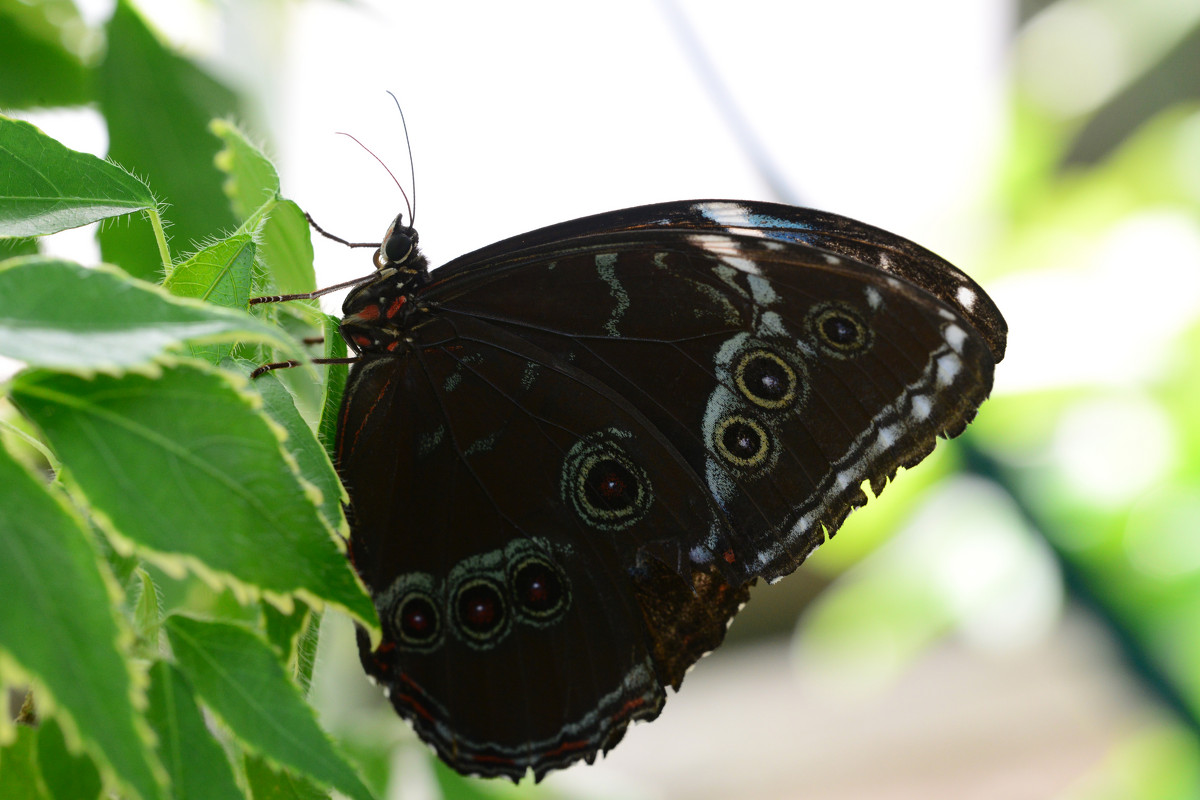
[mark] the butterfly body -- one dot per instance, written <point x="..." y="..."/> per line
<point x="570" y="453"/>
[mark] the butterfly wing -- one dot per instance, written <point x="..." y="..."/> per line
<point x="784" y="375"/>
<point x="505" y="511"/>
<point x="596" y="435"/>
<point x="806" y="227"/>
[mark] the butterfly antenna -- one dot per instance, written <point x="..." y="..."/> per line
<point x="389" y="172"/>
<point x="412" y="170"/>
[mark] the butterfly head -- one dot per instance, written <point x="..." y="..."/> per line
<point x="399" y="246"/>
<point x="398" y="250"/>
<point x="376" y="313"/>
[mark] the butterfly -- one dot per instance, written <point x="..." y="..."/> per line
<point x="570" y="453"/>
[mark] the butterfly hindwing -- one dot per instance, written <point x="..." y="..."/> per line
<point x="517" y="525"/>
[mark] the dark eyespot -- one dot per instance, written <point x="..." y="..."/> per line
<point x="609" y="485"/>
<point x="606" y="488"/>
<point x="538" y="589"/>
<point x="416" y="620"/>
<point x="742" y="441"/>
<point x="479" y="609"/>
<point x="766" y="379"/>
<point x="839" y="331"/>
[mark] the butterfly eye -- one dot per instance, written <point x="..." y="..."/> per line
<point x="397" y="247"/>
<point x="398" y="243"/>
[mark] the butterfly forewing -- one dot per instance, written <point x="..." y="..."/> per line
<point x="784" y="376"/>
<point x="806" y="227"/>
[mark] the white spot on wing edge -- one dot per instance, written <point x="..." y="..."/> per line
<point x="730" y="215"/>
<point x="948" y="367"/>
<point x="922" y="407"/>
<point x="954" y="336"/>
<point x="887" y="437"/>
<point x="723" y="213"/>
<point x="966" y="297"/>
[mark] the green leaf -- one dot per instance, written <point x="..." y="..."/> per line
<point x="66" y="775"/>
<point x="197" y="764"/>
<point x="186" y="470"/>
<point x="268" y="783"/>
<point x="20" y="777"/>
<point x="46" y="187"/>
<point x="220" y="274"/>
<point x="252" y="180"/>
<point x="37" y="71"/>
<point x="241" y="680"/>
<point x="158" y="106"/>
<point x="147" y="613"/>
<point x="287" y="249"/>
<point x="18" y="246"/>
<point x="283" y="630"/>
<point x="58" y="314"/>
<point x="315" y="466"/>
<point x="305" y="658"/>
<point x="295" y="637"/>
<point x="335" y="386"/>
<point x="121" y="566"/>
<point x="58" y="626"/>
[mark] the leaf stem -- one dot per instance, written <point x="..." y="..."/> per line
<point x="160" y="236"/>
<point x="35" y="443"/>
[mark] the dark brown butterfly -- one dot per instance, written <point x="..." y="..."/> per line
<point x="570" y="453"/>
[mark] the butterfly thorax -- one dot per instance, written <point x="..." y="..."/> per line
<point x="376" y="314"/>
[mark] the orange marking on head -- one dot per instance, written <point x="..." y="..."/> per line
<point x="362" y="341"/>
<point x="393" y="345"/>
<point x="729" y="556"/>
<point x="396" y="305"/>
<point x="368" y="312"/>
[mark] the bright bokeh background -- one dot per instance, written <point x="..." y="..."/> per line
<point x="1017" y="618"/>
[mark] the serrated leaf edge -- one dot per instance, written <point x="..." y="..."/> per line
<point x="13" y="673"/>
